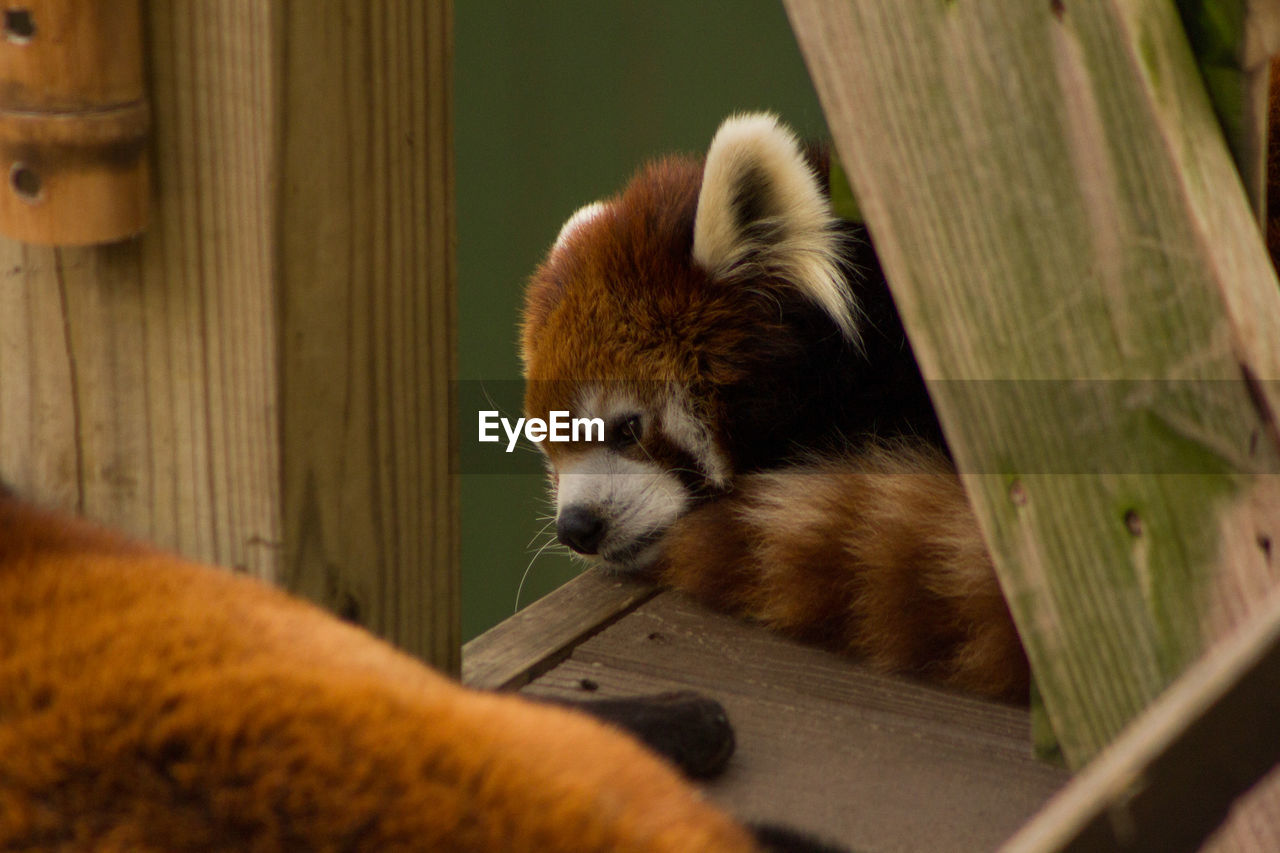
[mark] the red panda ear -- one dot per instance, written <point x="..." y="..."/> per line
<point x="543" y="290"/>
<point x="761" y="211"/>
<point x="573" y="225"/>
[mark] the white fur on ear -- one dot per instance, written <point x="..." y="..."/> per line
<point x="581" y="217"/>
<point x="761" y="209"/>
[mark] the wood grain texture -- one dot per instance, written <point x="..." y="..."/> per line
<point x="875" y="762"/>
<point x="1168" y="781"/>
<point x="368" y="355"/>
<point x="138" y="381"/>
<point x="264" y="379"/>
<point x="536" y="638"/>
<point x="1086" y="290"/>
<point x="1060" y="220"/>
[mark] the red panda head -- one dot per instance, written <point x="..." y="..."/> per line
<point x="682" y="313"/>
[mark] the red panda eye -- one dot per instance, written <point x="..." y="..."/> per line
<point x="628" y="431"/>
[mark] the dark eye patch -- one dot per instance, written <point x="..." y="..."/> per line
<point x="625" y="432"/>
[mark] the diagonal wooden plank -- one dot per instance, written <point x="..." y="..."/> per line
<point x="1086" y="289"/>
<point x="538" y="637"/>
<point x="1061" y="222"/>
<point x="1170" y="779"/>
<point x="1233" y="42"/>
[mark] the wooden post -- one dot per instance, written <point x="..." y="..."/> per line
<point x="1087" y="290"/>
<point x="370" y="502"/>
<point x="174" y="385"/>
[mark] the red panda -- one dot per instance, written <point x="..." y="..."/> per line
<point x="148" y="703"/>
<point x="769" y="444"/>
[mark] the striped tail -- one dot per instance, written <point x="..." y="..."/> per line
<point x="875" y="554"/>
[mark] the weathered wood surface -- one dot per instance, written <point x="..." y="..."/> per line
<point x="137" y="381"/>
<point x="367" y="282"/>
<point x="541" y="635"/>
<point x="263" y="380"/>
<point x="1169" y="780"/>
<point x="875" y="762"/>
<point x="1060" y="221"/>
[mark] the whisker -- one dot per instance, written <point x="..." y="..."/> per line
<point x="541" y="531"/>
<point x="525" y="576"/>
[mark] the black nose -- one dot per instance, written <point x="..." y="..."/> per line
<point x="581" y="529"/>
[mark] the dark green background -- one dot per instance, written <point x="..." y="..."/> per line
<point x="556" y="104"/>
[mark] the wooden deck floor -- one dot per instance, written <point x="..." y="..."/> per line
<point x="874" y="762"/>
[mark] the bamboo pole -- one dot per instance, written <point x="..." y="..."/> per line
<point x="73" y="122"/>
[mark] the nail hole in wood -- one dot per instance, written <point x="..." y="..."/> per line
<point x="25" y="182"/>
<point x="588" y="684"/>
<point x="1264" y="542"/>
<point x="1058" y="8"/>
<point x="1133" y="522"/>
<point x="18" y="25"/>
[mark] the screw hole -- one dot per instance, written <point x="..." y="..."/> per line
<point x="18" y="26"/>
<point x="1133" y="522"/>
<point x="1264" y="542"/>
<point x="588" y="684"/>
<point x="25" y="182"/>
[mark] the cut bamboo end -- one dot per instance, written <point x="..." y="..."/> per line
<point x="73" y="122"/>
<point x="74" y="180"/>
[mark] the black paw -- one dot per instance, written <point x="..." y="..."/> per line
<point x="691" y="731"/>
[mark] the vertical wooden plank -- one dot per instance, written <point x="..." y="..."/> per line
<point x="138" y="381"/>
<point x="366" y="266"/>
<point x="1085" y="287"/>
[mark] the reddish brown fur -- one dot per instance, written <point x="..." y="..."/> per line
<point x="876" y="554"/>
<point x="667" y="322"/>
<point x="887" y="564"/>
<point x="152" y="704"/>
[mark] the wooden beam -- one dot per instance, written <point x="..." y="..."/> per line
<point x="521" y="648"/>
<point x="263" y="380"/>
<point x="1169" y="780"/>
<point x="1086" y="289"/>
<point x="367" y="295"/>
